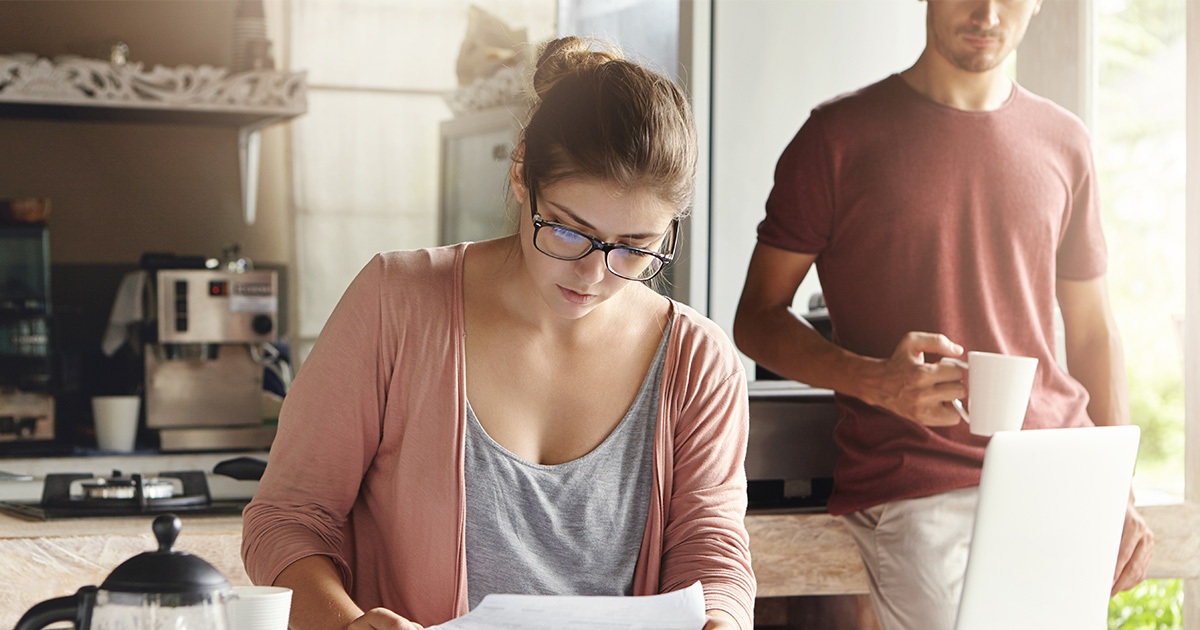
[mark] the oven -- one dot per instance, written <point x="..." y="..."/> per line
<point x="791" y="453"/>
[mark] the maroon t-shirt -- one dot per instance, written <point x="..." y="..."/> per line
<point x="928" y="218"/>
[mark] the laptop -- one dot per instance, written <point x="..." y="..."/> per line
<point x="1047" y="528"/>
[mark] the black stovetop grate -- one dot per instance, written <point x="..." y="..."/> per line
<point x="58" y="502"/>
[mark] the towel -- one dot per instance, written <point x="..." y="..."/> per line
<point x="126" y="310"/>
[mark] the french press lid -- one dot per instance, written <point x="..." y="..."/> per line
<point x="166" y="570"/>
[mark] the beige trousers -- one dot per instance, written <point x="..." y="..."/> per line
<point x="915" y="553"/>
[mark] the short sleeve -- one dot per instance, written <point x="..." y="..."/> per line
<point x="1082" y="251"/>
<point x="800" y="208"/>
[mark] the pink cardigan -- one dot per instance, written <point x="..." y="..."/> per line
<point x="367" y="467"/>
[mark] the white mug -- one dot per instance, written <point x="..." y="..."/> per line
<point x="260" y="608"/>
<point x="999" y="388"/>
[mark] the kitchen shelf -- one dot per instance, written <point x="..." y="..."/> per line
<point x="92" y="90"/>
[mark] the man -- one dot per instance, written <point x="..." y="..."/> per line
<point x="946" y="208"/>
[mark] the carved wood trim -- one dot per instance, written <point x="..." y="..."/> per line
<point x="93" y="82"/>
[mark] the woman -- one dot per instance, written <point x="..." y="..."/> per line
<point x="522" y="414"/>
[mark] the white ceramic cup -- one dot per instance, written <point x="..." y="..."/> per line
<point x="260" y="608"/>
<point x="998" y="390"/>
<point x="116" y="421"/>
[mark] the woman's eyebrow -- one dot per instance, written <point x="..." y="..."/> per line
<point x="578" y="219"/>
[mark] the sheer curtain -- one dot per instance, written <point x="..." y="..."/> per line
<point x="366" y="155"/>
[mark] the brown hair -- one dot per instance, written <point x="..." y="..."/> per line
<point x="603" y="117"/>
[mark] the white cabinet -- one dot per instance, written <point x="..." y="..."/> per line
<point x="476" y="153"/>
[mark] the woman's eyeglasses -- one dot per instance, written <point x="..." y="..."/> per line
<point x="631" y="263"/>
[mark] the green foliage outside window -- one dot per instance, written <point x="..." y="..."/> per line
<point x="1151" y="605"/>
<point x="1140" y="157"/>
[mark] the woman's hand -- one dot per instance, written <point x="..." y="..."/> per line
<point x="382" y="619"/>
<point x="720" y="620"/>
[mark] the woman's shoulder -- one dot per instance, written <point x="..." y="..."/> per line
<point x="428" y="263"/>
<point x="408" y="280"/>
<point x="410" y="270"/>
<point x="702" y="342"/>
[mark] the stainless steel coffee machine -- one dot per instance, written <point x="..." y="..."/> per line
<point x="204" y="367"/>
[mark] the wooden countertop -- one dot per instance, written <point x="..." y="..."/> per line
<point x="44" y="559"/>
<point x="810" y="554"/>
<point x="793" y="554"/>
<point x="15" y="527"/>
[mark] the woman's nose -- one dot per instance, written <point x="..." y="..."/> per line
<point x="591" y="268"/>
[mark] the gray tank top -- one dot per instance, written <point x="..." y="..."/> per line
<point x="569" y="529"/>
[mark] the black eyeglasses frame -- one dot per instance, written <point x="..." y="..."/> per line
<point x="597" y="244"/>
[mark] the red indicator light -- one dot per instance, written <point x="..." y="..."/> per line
<point x="217" y="288"/>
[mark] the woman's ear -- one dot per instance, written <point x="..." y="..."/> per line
<point x="516" y="175"/>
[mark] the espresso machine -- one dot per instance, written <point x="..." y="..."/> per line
<point x="210" y="336"/>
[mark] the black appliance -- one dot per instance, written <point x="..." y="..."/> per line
<point x="74" y="495"/>
<point x="790" y="454"/>
<point x="26" y="397"/>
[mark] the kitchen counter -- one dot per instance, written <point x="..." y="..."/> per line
<point x="804" y="554"/>
<point x="40" y="560"/>
<point x="44" y="559"/>
<point x="794" y="553"/>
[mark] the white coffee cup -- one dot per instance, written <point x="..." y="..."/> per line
<point x="998" y="390"/>
<point x="116" y="421"/>
<point x="260" y="608"/>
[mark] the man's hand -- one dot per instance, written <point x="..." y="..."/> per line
<point x="911" y="388"/>
<point x="382" y="619"/>
<point x="1137" y="547"/>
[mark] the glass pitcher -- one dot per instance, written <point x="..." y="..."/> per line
<point x="156" y="590"/>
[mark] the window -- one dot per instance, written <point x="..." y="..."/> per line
<point x="1140" y="145"/>
<point x="1123" y="66"/>
<point x="366" y="153"/>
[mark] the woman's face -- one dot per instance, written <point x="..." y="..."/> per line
<point x="595" y="208"/>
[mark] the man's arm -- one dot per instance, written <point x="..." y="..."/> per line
<point x="768" y="331"/>
<point x="1096" y="358"/>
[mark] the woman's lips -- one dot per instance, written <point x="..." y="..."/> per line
<point x="575" y="297"/>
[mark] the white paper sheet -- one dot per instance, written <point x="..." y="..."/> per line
<point x="680" y="610"/>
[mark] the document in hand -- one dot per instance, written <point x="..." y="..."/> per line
<point x="680" y="610"/>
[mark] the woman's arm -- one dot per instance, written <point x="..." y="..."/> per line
<point x="328" y="435"/>
<point x="320" y="601"/>
<point x="705" y="535"/>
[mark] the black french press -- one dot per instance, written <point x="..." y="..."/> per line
<point x="155" y="590"/>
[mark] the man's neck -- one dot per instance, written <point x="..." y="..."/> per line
<point x="942" y="82"/>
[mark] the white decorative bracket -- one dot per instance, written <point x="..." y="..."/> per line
<point x="76" y="88"/>
<point x="249" y="142"/>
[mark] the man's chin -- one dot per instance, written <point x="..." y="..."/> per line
<point x="977" y="63"/>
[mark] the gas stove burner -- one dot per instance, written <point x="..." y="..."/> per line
<point x="119" y="495"/>
<point x="119" y="487"/>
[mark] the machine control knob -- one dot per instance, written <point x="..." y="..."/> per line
<point x="262" y="324"/>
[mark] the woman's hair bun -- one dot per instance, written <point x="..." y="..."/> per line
<point x="566" y="55"/>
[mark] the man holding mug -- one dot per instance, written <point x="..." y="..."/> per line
<point x="946" y="208"/>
